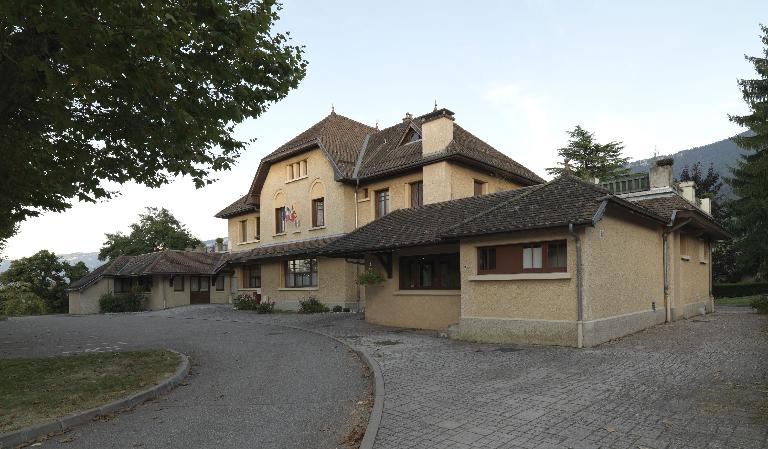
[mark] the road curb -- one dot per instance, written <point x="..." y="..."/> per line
<point x="28" y="434"/>
<point x="374" y="421"/>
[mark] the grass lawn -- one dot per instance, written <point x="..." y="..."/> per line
<point x="36" y="390"/>
<point x="740" y="301"/>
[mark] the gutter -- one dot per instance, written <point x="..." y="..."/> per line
<point x="665" y="245"/>
<point x="579" y="289"/>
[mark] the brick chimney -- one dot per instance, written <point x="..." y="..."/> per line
<point x="436" y="131"/>
<point x="661" y="173"/>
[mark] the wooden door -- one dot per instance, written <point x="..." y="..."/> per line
<point x="200" y="290"/>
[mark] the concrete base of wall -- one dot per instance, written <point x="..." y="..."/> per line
<point x="694" y="309"/>
<point x="500" y="330"/>
<point x="600" y="331"/>
<point x="294" y="305"/>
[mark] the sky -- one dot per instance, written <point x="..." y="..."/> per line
<point x="656" y="75"/>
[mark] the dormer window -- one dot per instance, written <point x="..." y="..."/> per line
<point x="411" y="136"/>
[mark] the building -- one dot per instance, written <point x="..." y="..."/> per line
<point x="339" y="175"/>
<point x="168" y="278"/>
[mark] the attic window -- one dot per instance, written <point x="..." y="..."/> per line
<point x="411" y="136"/>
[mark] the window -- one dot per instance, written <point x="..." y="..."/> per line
<point x="122" y="285"/>
<point x="557" y="255"/>
<point x="539" y="257"/>
<point x="703" y="251"/>
<point x="365" y="193"/>
<point x="252" y="276"/>
<point x="411" y="136"/>
<point x="199" y="283"/>
<point x="532" y="257"/>
<point x="434" y="271"/>
<point x="382" y="203"/>
<point x="280" y="220"/>
<point x="479" y="187"/>
<point x="301" y="273"/>
<point x="219" y="281"/>
<point x="178" y="283"/>
<point x="685" y="250"/>
<point x="296" y="170"/>
<point x="417" y="193"/>
<point x="258" y="228"/>
<point x="244" y="230"/>
<point x="318" y="212"/>
<point x="486" y="258"/>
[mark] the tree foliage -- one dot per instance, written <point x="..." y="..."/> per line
<point x="750" y="177"/>
<point x="46" y="276"/>
<point x="707" y="186"/>
<point x="588" y="159"/>
<point x="156" y="230"/>
<point x="118" y="91"/>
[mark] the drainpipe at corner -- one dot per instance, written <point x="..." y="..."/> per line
<point x="665" y="245"/>
<point x="579" y="289"/>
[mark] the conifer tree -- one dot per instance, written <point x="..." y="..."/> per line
<point x="750" y="177"/>
<point x="588" y="159"/>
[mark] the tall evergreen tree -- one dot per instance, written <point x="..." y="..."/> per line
<point x="588" y="159"/>
<point x="750" y="177"/>
<point x="707" y="186"/>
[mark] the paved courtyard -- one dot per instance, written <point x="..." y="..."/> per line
<point x="699" y="383"/>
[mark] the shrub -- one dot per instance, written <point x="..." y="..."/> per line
<point x="760" y="304"/>
<point x="124" y="302"/>
<point x="312" y="305"/>
<point x="739" y="289"/>
<point x="15" y="300"/>
<point x="369" y="277"/>
<point x="265" y="307"/>
<point x="337" y="308"/>
<point x="245" y="301"/>
<point x="345" y="309"/>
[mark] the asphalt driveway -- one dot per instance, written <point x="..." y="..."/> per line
<point x="251" y="385"/>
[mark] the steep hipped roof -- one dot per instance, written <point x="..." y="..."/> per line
<point x="161" y="262"/>
<point x="558" y="203"/>
<point x="359" y="152"/>
<point x="239" y="207"/>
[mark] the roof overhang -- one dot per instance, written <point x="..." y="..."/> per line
<point x="701" y="224"/>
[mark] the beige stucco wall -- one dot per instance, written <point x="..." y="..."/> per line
<point x="236" y="242"/>
<point x="444" y="181"/>
<point x="624" y="270"/>
<point x="87" y="300"/>
<point x="547" y="299"/>
<point x="387" y="305"/>
<point x="335" y="278"/>
<point x="399" y="195"/>
<point x="689" y="279"/>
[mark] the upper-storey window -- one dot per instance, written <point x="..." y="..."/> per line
<point x="258" y="228"/>
<point x="480" y="187"/>
<point x="417" y="194"/>
<point x="243" y="230"/>
<point x="411" y="137"/>
<point x="382" y="202"/>
<point x="296" y="170"/>
<point x="280" y="220"/>
<point x="318" y="212"/>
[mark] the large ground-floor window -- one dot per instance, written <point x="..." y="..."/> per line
<point x="430" y="272"/>
<point x="251" y="276"/>
<point x="300" y="273"/>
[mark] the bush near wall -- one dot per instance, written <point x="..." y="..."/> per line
<point x="739" y="289"/>
<point x="125" y="302"/>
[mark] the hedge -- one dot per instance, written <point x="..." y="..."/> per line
<point x="737" y="290"/>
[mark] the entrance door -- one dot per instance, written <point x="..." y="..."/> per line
<point x="200" y="290"/>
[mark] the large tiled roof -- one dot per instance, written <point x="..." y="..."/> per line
<point x="161" y="262"/>
<point x="239" y="207"/>
<point x="560" y="202"/>
<point x="666" y="205"/>
<point x="360" y="152"/>
<point x="303" y="247"/>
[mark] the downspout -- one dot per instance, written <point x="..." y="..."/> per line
<point x="579" y="289"/>
<point x="357" y="267"/>
<point x="665" y="244"/>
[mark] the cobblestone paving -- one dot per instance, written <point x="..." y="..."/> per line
<point x="698" y="383"/>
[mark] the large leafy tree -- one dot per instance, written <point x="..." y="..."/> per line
<point x="588" y="159"/>
<point x="127" y="90"/>
<point x="156" y="230"/>
<point x="750" y="177"/>
<point x="46" y="276"/>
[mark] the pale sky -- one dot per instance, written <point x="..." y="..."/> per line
<point x="653" y="74"/>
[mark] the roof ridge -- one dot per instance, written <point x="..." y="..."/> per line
<point x="534" y="188"/>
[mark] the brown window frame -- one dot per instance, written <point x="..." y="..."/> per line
<point x="417" y="193"/>
<point x="383" y="193"/>
<point x="509" y="258"/>
<point x="280" y="220"/>
<point x="196" y="283"/>
<point x="291" y="274"/>
<point x="481" y="184"/>
<point x="176" y="287"/>
<point x="252" y="276"/>
<point x="122" y="282"/>
<point x="318" y="212"/>
<point x="413" y="266"/>
<point x="244" y="230"/>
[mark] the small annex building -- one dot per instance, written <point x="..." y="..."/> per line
<point x="168" y="278"/>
